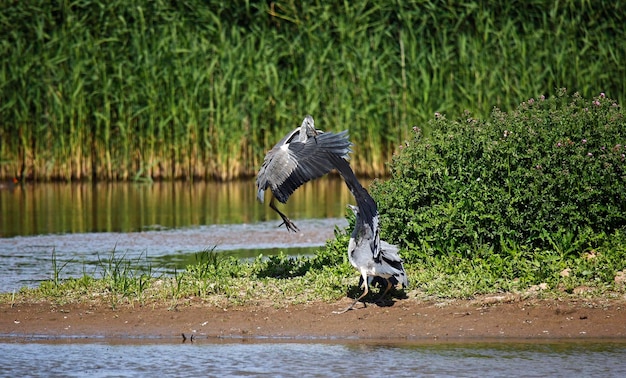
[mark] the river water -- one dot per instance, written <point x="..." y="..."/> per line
<point x="71" y="229"/>
<point x="275" y="358"/>
<point x="164" y="225"/>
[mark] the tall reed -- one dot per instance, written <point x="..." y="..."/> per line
<point x="151" y="90"/>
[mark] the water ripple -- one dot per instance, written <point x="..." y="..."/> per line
<point x="314" y="359"/>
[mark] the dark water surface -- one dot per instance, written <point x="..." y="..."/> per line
<point x="41" y="209"/>
<point x="303" y="359"/>
<point x="160" y="225"/>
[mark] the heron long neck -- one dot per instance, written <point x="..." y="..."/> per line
<point x="365" y="202"/>
<point x="366" y="224"/>
<point x="307" y="129"/>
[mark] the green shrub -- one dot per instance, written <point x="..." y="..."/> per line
<point x="549" y="175"/>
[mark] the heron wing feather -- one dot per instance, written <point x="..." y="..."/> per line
<point x="296" y="163"/>
<point x="273" y="158"/>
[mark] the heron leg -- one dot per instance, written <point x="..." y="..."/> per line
<point x="365" y="291"/>
<point x="389" y="285"/>
<point x="286" y="221"/>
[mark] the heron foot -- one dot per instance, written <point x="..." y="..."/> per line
<point x="351" y="307"/>
<point x="344" y="310"/>
<point x="381" y="301"/>
<point x="381" y="298"/>
<point x="286" y="221"/>
<point x="289" y="224"/>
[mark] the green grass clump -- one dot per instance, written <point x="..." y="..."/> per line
<point x="281" y="280"/>
<point x="519" y="270"/>
<point x="275" y="280"/>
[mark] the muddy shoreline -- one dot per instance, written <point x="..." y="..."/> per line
<point x="487" y="318"/>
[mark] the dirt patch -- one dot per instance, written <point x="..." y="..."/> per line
<point x="488" y="317"/>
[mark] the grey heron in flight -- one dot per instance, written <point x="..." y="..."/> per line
<point x="304" y="154"/>
<point x="371" y="256"/>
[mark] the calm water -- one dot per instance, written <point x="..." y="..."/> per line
<point x="303" y="359"/>
<point x="161" y="225"/>
<point x="42" y="209"/>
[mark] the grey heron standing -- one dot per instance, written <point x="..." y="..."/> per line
<point x="371" y="256"/>
<point x="304" y="154"/>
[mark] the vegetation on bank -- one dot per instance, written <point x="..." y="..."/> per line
<point x="531" y="202"/>
<point x="550" y="174"/>
<point x="328" y="276"/>
<point x="535" y="195"/>
<point x="123" y="90"/>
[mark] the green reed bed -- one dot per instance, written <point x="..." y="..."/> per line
<point x="127" y="90"/>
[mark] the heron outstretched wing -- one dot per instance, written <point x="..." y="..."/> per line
<point x="289" y="165"/>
